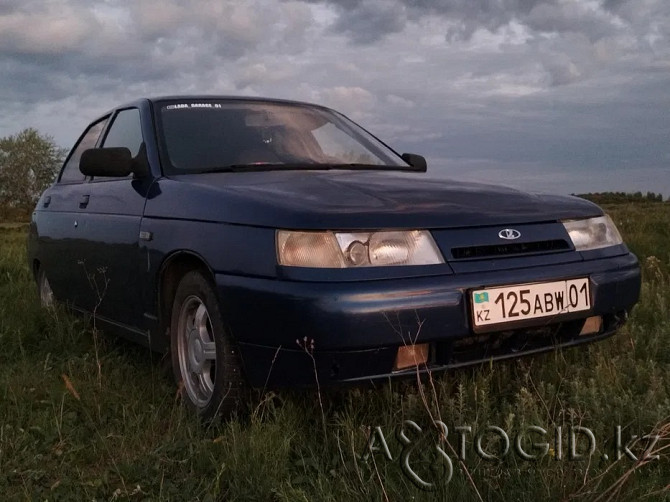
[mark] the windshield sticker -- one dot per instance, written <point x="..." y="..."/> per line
<point x="181" y="106"/>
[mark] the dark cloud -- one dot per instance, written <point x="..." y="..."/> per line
<point x="368" y="20"/>
<point x="574" y="17"/>
<point x="614" y="4"/>
<point x="50" y="50"/>
<point x="9" y="6"/>
<point x="377" y="18"/>
<point x="468" y="16"/>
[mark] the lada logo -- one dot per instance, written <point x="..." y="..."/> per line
<point x="509" y="234"/>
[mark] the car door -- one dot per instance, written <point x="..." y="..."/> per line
<point x="112" y="212"/>
<point x="58" y="228"/>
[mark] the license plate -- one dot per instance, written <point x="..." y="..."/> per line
<point x="508" y="304"/>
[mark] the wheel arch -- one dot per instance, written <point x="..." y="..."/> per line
<point x="174" y="267"/>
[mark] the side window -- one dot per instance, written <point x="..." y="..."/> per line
<point x="126" y="130"/>
<point x="71" y="172"/>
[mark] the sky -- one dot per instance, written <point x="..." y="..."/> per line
<point x="565" y="96"/>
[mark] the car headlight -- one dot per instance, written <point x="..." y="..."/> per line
<point x="356" y="249"/>
<point x="593" y="233"/>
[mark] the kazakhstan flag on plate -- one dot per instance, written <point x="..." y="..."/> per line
<point x="481" y="297"/>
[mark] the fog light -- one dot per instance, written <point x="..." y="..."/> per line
<point x="411" y="355"/>
<point x="592" y="326"/>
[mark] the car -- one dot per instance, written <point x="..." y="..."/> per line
<point x="269" y="243"/>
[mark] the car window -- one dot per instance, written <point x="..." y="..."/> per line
<point x="71" y="172"/>
<point x="125" y="131"/>
<point x="334" y="142"/>
<point x="205" y="135"/>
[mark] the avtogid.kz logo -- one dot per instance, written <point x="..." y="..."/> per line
<point x="427" y="455"/>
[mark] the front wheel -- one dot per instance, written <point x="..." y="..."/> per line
<point x="204" y="360"/>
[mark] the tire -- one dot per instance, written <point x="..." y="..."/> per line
<point x="44" y="290"/>
<point x="205" y="362"/>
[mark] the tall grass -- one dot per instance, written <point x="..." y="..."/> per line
<point x="68" y="432"/>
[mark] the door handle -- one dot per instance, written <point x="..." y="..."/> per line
<point x="47" y="201"/>
<point x="83" y="202"/>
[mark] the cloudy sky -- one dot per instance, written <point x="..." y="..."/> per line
<point x="562" y="95"/>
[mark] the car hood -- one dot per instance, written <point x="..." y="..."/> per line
<point x="353" y="200"/>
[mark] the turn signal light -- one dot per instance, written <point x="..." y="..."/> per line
<point x="411" y="355"/>
<point x="592" y="326"/>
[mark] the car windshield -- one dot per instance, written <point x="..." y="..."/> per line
<point x="225" y="135"/>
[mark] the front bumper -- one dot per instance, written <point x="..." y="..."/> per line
<point x="355" y="328"/>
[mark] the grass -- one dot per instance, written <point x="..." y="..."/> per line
<point x="79" y="423"/>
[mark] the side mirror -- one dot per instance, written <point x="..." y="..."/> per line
<point x="416" y="161"/>
<point x="112" y="162"/>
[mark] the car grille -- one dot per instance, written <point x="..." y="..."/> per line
<point x="520" y="248"/>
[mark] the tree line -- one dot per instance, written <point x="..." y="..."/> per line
<point x="29" y="162"/>
<point x="619" y="197"/>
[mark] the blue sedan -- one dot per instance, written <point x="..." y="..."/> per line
<point x="271" y="243"/>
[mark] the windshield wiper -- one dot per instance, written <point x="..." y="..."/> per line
<point x="357" y="166"/>
<point x="304" y="166"/>
<point x="265" y="166"/>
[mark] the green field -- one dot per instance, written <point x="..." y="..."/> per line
<point x="87" y="417"/>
